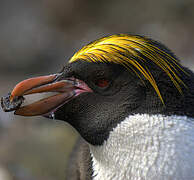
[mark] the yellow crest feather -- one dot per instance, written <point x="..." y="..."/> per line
<point x="133" y="52"/>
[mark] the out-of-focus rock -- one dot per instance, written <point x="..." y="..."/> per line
<point x="4" y="174"/>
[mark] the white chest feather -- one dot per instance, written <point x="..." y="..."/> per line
<point x="144" y="147"/>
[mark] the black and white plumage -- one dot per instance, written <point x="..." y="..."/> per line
<point x="131" y="101"/>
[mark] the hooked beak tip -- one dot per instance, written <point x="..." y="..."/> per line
<point x="26" y="85"/>
<point x="11" y="99"/>
<point x="66" y="88"/>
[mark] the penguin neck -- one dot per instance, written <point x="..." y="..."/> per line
<point x="146" y="147"/>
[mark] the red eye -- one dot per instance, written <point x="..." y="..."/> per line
<point x="102" y="83"/>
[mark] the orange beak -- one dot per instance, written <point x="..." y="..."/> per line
<point x="67" y="89"/>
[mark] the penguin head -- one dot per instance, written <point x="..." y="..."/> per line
<point x="115" y="93"/>
<point x="108" y="80"/>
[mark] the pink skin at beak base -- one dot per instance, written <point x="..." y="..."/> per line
<point x="68" y="89"/>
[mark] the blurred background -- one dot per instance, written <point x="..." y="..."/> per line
<point x="38" y="37"/>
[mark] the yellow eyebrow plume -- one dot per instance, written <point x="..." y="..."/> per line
<point x="135" y="53"/>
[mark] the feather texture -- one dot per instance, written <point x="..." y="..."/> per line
<point x="135" y="53"/>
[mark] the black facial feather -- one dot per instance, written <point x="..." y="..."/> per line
<point x="136" y="53"/>
<point x="95" y="114"/>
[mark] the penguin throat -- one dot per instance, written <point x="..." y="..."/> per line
<point x="146" y="147"/>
